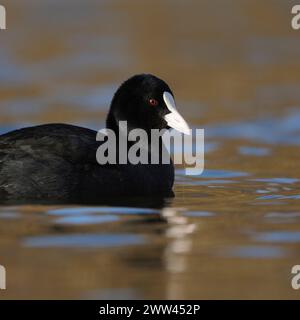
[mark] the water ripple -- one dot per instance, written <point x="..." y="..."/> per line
<point x="84" y="240"/>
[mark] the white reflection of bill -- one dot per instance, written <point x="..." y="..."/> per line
<point x="2" y="278"/>
<point x="175" y="255"/>
<point x="2" y="18"/>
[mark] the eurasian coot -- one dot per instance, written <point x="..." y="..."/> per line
<point x="57" y="162"/>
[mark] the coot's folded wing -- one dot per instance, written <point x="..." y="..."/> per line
<point x="45" y="161"/>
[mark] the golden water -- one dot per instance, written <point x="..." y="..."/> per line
<point x="234" y="67"/>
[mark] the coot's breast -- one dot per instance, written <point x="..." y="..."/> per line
<point x="57" y="162"/>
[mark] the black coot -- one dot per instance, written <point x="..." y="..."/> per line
<point x="57" y="162"/>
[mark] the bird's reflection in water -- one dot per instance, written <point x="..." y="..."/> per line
<point x="178" y="231"/>
<point x="179" y="245"/>
<point x="170" y="241"/>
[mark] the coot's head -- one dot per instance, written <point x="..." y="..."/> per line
<point x="145" y="102"/>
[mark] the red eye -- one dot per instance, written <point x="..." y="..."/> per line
<point x="153" y="102"/>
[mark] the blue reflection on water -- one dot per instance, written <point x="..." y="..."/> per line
<point x="82" y="220"/>
<point x="215" y="174"/>
<point x="84" y="240"/>
<point x="256" y="252"/>
<point x="254" y="151"/>
<point x="278" y="236"/>
<point x="270" y="130"/>
<point x="199" y="214"/>
<point x="108" y="210"/>
<point x="278" y="196"/>
<point x="277" y="180"/>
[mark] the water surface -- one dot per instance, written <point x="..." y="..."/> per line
<point x="234" y="231"/>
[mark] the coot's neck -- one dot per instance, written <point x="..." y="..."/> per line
<point x="113" y="125"/>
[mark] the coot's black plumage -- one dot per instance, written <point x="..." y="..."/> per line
<point x="57" y="162"/>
